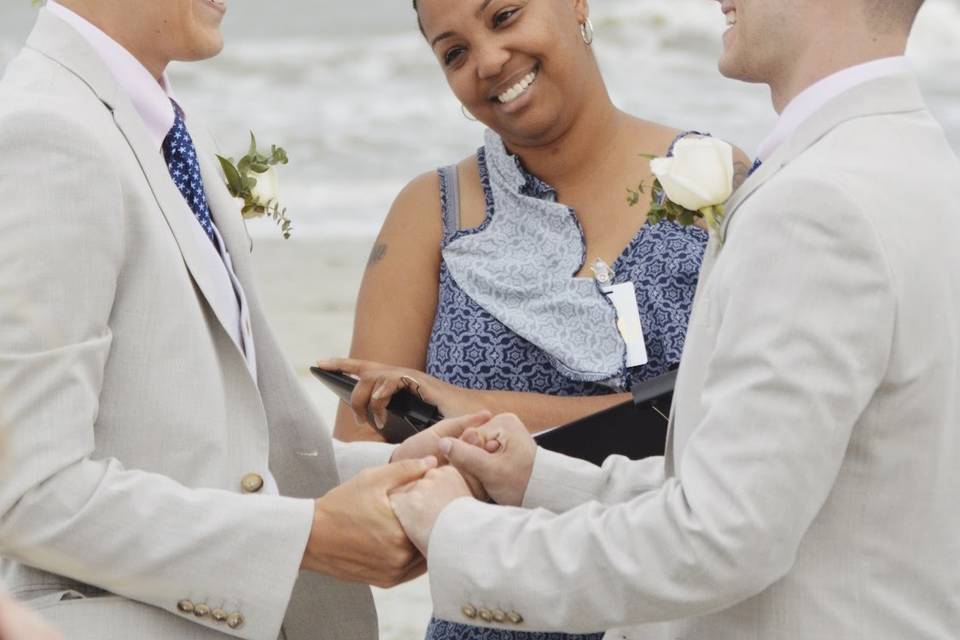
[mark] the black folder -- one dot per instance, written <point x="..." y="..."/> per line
<point x="406" y="412"/>
<point x="636" y="428"/>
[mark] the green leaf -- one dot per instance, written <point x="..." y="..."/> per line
<point x="278" y="156"/>
<point x="253" y="144"/>
<point x="234" y="183"/>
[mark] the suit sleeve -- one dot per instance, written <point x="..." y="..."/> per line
<point x="803" y="330"/>
<point x="559" y="483"/>
<point x="137" y="534"/>
<point x="354" y="457"/>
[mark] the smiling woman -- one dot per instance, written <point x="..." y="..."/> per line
<point x="482" y="292"/>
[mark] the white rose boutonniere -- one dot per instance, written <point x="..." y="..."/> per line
<point x="694" y="181"/>
<point x="254" y="180"/>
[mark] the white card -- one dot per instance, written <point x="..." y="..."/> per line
<point x="624" y="299"/>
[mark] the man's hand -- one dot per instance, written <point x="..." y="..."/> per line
<point x="499" y="454"/>
<point x="19" y="623"/>
<point x="419" y="505"/>
<point x="427" y="442"/>
<point x="356" y="536"/>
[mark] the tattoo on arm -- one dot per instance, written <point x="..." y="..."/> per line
<point x="376" y="254"/>
<point x="740" y="173"/>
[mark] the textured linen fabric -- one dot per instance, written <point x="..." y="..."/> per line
<point x="472" y="346"/>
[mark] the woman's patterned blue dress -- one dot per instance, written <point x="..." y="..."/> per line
<point x="470" y="348"/>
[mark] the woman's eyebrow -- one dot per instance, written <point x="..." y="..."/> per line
<point x="442" y="36"/>
<point x="486" y="3"/>
<point x="447" y="34"/>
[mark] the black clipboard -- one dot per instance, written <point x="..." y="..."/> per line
<point x="407" y="414"/>
<point x="636" y="428"/>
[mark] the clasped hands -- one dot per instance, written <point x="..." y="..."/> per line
<point x="376" y="527"/>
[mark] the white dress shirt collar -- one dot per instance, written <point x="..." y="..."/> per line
<point x="150" y="97"/>
<point x="810" y="100"/>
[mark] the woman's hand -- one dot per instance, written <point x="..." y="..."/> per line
<point x="17" y="622"/>
<point x="377" y="383"/>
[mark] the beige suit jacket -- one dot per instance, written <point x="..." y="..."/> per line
<point x="131" y="416"/>
<point x="811" y="485"/>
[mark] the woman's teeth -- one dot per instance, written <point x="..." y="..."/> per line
<point x="516" y="90"/>
<point x="731" y="18"/>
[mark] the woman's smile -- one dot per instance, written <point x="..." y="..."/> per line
<point x="514" y="94"/>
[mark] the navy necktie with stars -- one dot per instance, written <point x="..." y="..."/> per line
<point x="181" y="158"/>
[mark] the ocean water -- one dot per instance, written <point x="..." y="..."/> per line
<point x="356" y="98"/>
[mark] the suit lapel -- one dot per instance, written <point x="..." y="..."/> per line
<point x="59" y="42"/>
<point x="224" y="209"/>
<point x="889" y="95"/>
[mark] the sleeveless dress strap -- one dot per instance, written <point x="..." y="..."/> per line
<point x="449" y="202"/>
<point x="684" y="135"/>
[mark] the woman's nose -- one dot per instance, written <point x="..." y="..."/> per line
<point x="490" y="59"/>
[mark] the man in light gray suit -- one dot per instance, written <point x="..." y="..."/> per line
<point x="167" y="465"/>
<point x="811" y="482"/>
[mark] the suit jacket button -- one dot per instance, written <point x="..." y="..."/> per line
<point x="201" y="610"/>
<point x="219" y="615"/>
<point x="469" y="611"/>
<point x="251" y="483"/>
<point x="485" y="615"/>
<point x="514" y="617"/>
<point x="499" y="616"/>
<point x="235" y="620"/>
<point x="185" y="606"/>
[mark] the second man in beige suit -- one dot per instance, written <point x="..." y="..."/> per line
<point x="811" y="480"/>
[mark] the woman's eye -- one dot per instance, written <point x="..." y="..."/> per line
<point x="503" y="17"/>
<point x="452" y="55"/>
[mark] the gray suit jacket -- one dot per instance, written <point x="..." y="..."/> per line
<point x="811" y="485"/>
<point x="131" y="416"/>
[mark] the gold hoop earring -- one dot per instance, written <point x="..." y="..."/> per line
<point x="466" y="114"/>
<point x="586" y="32"/>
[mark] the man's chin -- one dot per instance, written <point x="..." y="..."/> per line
<point x="203" y="50"/>
<point x="728" y="67"/>
<point x="735" y="70"/>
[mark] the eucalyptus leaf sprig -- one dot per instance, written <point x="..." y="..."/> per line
<point x="254" y="179"/>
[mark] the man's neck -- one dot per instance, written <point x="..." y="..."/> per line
<point x="122" y="30"/>
<point x="824" y="58"/>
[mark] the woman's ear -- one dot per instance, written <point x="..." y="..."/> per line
<point x="581" y="8"/>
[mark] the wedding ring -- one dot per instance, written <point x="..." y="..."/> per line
<point x="411" y="383"/>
